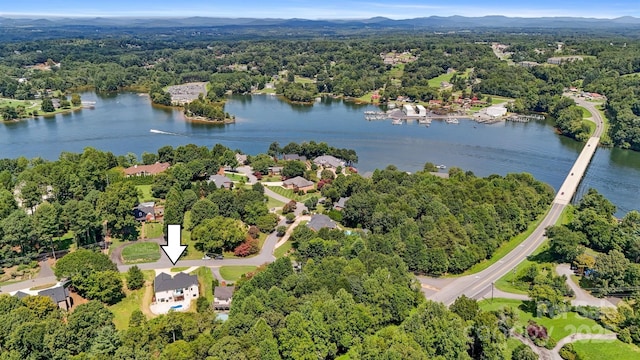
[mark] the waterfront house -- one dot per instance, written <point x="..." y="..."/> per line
<point x="275" y="170"/>
<point x="177" y="288"/>
<point x="146" y="170"/>
<point x="328" y="161"/>
<point x="241" y="159"/>
<point x="222" y="297"/>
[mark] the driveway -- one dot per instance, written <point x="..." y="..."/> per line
<point x="583" y="298"/>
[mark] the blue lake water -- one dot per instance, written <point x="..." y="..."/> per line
<point x="122" y="122"/>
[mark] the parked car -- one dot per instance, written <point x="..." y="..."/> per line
<point x="209" y="256"/>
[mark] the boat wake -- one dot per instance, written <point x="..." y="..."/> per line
<point x="163" y="132"/>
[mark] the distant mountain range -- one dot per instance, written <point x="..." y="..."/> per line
<point x="435" y="22"/>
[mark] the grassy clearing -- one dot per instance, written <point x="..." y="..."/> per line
<point x="596" y="350"/>
<point x="205" y="278"/>
<point x="499" y="99"/>
<point x="566" y="216"/>
<point x="585" y="113"/>
<point x="273" y="203"/>
<point x="141" y="253"/>
<point x="153" y="230"/>
<point x="435" y="82"/>
<point x="589" y="124"/>
<point x="397" y="71"/>
<point x="505" y="248"/>
<point x="288" y="193"/>
<point x="366" y="97"/>
<point x="559" y="327"/>
<point x="303" y="80"/>
<point x="144" y="193"/>
<point x="282" y="250"/>
<point x="605" y="139"/>
<point x="233" y="273"/>
<point x="508" y="282"/>
<point x="133" y="301"/>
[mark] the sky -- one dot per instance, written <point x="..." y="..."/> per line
<point x="319" y="9"/>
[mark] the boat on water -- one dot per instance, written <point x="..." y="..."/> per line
<point x="396" y="122"/>
<point x="424" y="121"/>
<point x="452" y="121"/>
<point x="441" y="167"/>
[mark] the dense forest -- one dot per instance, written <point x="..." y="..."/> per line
<point x="351" y="67"/>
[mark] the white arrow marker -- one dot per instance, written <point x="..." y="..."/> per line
<point x="174" y="247"/>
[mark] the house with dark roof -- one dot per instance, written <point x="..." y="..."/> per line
<point x="177" y="288"/>
<point x="320" y="221"/>
<point x="298" y="183"/>
<point x="145" y="211"/>
<point x="340" y="204"/>
<point x="222" y="296"/>
<point x="275" y="170"/>
<point x="58" y="293"/>
<point x="146" y="170"/>
<point x="328" y="161"/>
<point x="221" y="181"/>
<point x="296" y="157"/>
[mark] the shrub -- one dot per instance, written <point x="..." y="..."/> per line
<point x="290" y="217"/>
<point x="202" y="304"/>
<point x="247" y="248"/>
<point x="281" y="230"/>
<point x="289" y="207"/>
<point x="254" y="231"/>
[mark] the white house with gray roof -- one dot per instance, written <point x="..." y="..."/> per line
<point x="328" y="161"/>
<point x="180" y="287"/>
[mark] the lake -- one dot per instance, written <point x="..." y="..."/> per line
<point x="121" y="122"/>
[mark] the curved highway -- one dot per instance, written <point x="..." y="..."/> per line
<point x="479" y="285"/>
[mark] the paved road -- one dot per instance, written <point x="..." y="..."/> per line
<point x="478" y="285"/>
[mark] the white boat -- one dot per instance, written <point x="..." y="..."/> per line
<point x="452" y="121"/>
<point x="424" y="121"/>
<point x="396" y="122"/>
<point x="440" y="167"/>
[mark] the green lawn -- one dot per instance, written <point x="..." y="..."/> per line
<point x="153" y="230"/>
<point x="303" y="80"/>
<point x="596" y="350"/>
<point x="397" y="71"/>
<point x="559" y="327"/>
<point x="566" y="216"/>
<point x="144" y="193"/>
<point x="435" y="82"/>
<point x="288" y="193"/>
<point x="585" y="112"/>
<point x="279" y="252"/>
<point x="141" y="253"/>
<point x="273" y="203"/>
<point x="505" y="248"/>
<point x="179" y="268"/>
<point x="499" y="99"/>
<point x="205" y="278"/>
<point x="134" y="300"/>
<point x="605" y="139"/>
<point x="233" y="273"/>
<point x="235" y="176"/>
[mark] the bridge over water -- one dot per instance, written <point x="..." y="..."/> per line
<point x="480" y="285"/>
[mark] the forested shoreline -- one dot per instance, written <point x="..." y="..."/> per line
<point x="386" y="65"/>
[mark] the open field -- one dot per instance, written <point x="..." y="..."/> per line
<point x="235" y="176"/>
<point x="435" y="82"/>
<point x="141" y="253"/>
<point x="303" y="80"/>
<point x="559" y="327"/>
<point x="233" y="273"/>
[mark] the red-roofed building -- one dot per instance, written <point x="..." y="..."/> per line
<point x="146" y="170"/>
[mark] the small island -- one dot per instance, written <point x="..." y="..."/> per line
<point x="199" y="104"/>
<point x="15" y="109"/>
